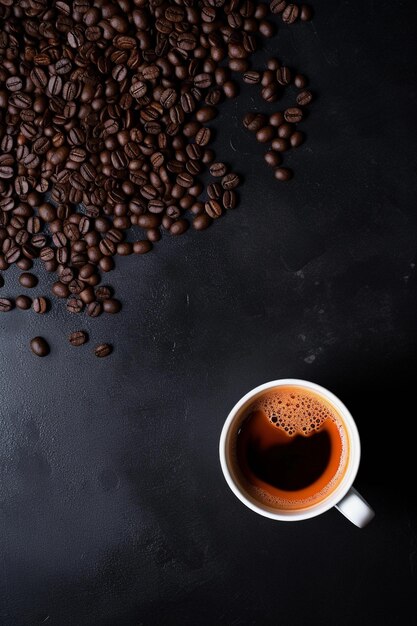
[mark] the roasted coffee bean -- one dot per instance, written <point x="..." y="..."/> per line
<point x="40" y="305"/>
<point x="214" y="191"/>
<point x="103" y="293"/>
<point x="39" y="346"/>
<point x="6" y="305"/>
<point x="213" y="209"/>
<point x="28" y="280"/>
<point x="254" y="121"/>
<point x="103" y="350"/>
<point x="229" y="199"/>
<point x="277" y="6"/>
<point x="306" y="13"/>
<point x="141" y="247"/>
<point x="252" y="77"/>
<point x="304" y="98"/>
<point x="179" y="227"/>
<point x="265" y="134"/>
<point x="290" y="13"/>
<point x="285" y="130"/>
<point x="280" y="145"/>
<point x="201" y="222"/>
<point x="296" y="139"/>
<point x="23" y="302"/>
<point x="270" y="93"/>
<point x="283" y="76"/>
<point x="293" y="114"/>
<point x="272" y="158"/>
<point x="283" y="173"/>
<point x="230" y="181"/>
<point x="78" y="338"/>
<point x="94" y="309"/>
<point x="111" y="305"/>
<point x="60" y="290"/>
<point x="75" y="305"/>
<point x="218" y="169"/>
<point x="276" y="119"/>
<point x="300" y="81"/>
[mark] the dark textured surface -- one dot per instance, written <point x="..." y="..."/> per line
<point x="113" y="508"/>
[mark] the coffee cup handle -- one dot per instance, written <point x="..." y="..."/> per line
<point x="355" y="508"/>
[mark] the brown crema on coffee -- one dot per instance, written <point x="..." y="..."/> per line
<point x="104" y="107"/>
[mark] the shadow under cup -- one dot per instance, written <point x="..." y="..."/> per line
<point x="290" y="449"/>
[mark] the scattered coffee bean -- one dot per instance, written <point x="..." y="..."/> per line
<point x="103" y="349"/>
<point x="39" y="346"/>
<point x="78" y="338"/>
<point x="306" y="13"/>
<point x="293" y="114"/>
<point x="40" y="305"/>
<point x="283" y="173"/>
<point x="272" y="158"/>
<point x="290" y="13"/>
<point x="296" y="139"/>
<point x="304" y="98"/>
<point x="265" y="134"/>
<point x="218" y="169"/>
<point x="28" y="280"/>
<point x="94" y="309"/>
<point x="6" y="305"/>
<point x="75" y="305"/>
<point x="103" y="293"/>
<point x="23" y="302"/>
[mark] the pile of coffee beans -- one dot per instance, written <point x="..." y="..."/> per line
<point x="104" y="113"/>
<point x="279" y="129"/>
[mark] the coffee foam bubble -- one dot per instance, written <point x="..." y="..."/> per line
<point x="295" y="412"/>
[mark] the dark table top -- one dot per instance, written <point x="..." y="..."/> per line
<point x="113" y="508"/>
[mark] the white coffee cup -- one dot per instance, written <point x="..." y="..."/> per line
<point x="344" y="496"/>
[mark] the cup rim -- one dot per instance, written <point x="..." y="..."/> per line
<point x="335" y="496"/>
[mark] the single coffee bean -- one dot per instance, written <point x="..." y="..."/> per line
<point x="265" y="134"/>
<point x="290" y="13"/>
<point x="293" y="114"/>
<point x="40" y="305"/>
<point x="60" y="290"/>
<point x="306" y="13"/>
<point x="202" y="221"/>
<point x="252" y="77"/>
<point x="28" y="280"/>
<point x="103" y="350"/>
<point x="229" y="199"/>
<point x="214" y="191"/>
<point x="300" y="81"/>
<point x="276" y="119"/>
<point x="179" y="227"/>
<point x="285" y="130"/>
<point x="254" y="122"/>
<point x="272" y="158"/>
<point x="283" y="76"/>
<point x="111" y="305"/>
<point x="74" y="305"/>
<point x="283" y="173"/>
<point x="23" y="302"/>
<point x="39" y="346"/>
<point x="218" y="169"/>
<point x="296" y="139"/>
<point x="142" y="247"/>
<point x="230" y="181"/>
<point x="280" y="145"/>
<point x="277" y="6"/>
<point x="213" y="209"/>
<point x="304" y="98"/>
<point x="94" y="309"/>
<point x="6" y="304"/>
<point x="103" y="293"/>
<point x="270" y="93"/>
<point x="78" y="338"/>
